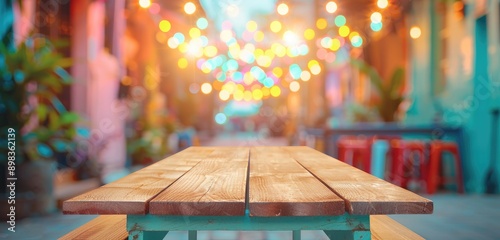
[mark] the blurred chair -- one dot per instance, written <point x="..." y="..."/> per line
<point x="408" y="162"/>
<point x="380" y="154"/>
<point x="355" y="151"/>
<point x="435" y="176"/>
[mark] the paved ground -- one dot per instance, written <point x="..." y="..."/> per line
<point x="455" y="216"/>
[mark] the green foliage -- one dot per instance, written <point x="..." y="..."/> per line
<point x="32" y="75"/>
<point x="390" y="96"/>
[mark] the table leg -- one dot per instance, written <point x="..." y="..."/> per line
<point x="153" y="235"/>
<point x="348" y="235"/>
<point x="192" y="235"/>
<point x="296" y="235"/>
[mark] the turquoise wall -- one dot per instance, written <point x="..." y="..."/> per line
<point x="472" y="81"/>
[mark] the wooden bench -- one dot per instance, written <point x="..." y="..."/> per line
<point x="258" y="188"/>
<point x="113" y="227"/>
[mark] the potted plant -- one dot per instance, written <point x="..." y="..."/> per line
<point x="32" y="76"/>
<point x="389" y="91"/>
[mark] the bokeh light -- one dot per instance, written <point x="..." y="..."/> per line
<point x="321" y="23"/>
<point x="194" y="33"/>
<point x="340" y="20"/>
<point x="224" y="95"/>
<point x="251" y="26"/>
<point x="344" y="31"/>
<point x="282" y="9"/>
<point x="165" y="26"/>
<point x="275" y="91"/>
<point x="202" y="23"/>
<point x="331" y="7"/>
<point x="145" y="3"/>
<point x="275" y="26"/>
<point x="356" y="41"/>
<point x="415" y="32"/>
<point x="206" y="88"/>
<point x="309" y="34"/>
<point x="294" y="86"/>
<point x="382" y="3"/>
<point x="220" y="118"/>
<point x="305" y="76"/>
<point x="189" y="8"/>
<point x="376" y="26"/>
<point x="376" y="17"/>
<point x="182" y="63"/>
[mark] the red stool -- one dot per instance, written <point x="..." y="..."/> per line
<point x="403" y="162"/>
<point x="434" y="178"/>
<point x="355" y="151"/>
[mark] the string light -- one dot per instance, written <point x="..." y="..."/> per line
<point x="282" y="9"/>
<point x="376" y="17"/>
<point x="189" y="8"/>
<point x="145" y="3"/>
<point x="331" y="7"/>
<point x="415" y="32"/>
<point x="382" y="3"/>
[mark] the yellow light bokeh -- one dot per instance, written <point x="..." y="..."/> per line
<point x="247" y="78"/>
<point x="312" y="63"/>
<point x="257" y="94"/>
<point x="275" y="26"/>
<point x="258" y="36"/>
<point x="278" y="72"/>
<point x="344" y="31"/>
<point x="210" y="51"/>
<point x="275" y="91"/>
<point x="224" y="95"/>
<point x="382" y="3"/>
<point x="415" y="32"/>
<point x="376" y="17"/>
<point x="335" y="44"/>
<point x="238" y="95"/>
<point x="206" y="88"/>
<point x="189" y="8"/>
<point x="247" y="96"/>
<point x="282" y="9"/>
<point x="251" y="26"/>
<point x="294" y="86"/>
<point x="183" y="47"/>
<point x="182" y="63"/>
<point x="265" y="92"/>
<point x="321" y="23"/>
<point x="145" y="3"/>
<point x="309" y="34"/>
<point x="194" y="32"/>
<point x="352" y="34"/>
<point x="164" y="26"/>
<point x="331" y="7"/>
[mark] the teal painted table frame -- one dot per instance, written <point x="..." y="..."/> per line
<point x="335" y="227"/>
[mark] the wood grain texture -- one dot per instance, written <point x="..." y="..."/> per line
<point x="131" y="194"/>
<point x="279" y="186"/>
<point x="216" y="186"/>
<point x="112" y="227"/>
<point x="383" y="228"/>
<point x="362" y="192"/>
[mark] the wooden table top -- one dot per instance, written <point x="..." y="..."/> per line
<point x="269" y="181"/>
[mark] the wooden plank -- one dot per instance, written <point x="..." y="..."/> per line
<point x="131" y="194"/>
<point x="362" y="192"/>
<point x="216" y="186"/>
<point x="383" y="227"/>
<point x="112" y="227"/>
<point x="279" y="186"/>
